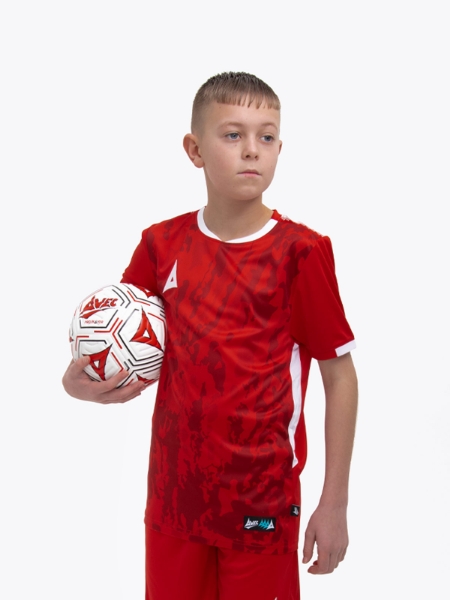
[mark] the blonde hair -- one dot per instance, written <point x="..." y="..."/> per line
<point x="232" y="88"/>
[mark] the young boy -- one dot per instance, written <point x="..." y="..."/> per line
<point x="250" y="298"/>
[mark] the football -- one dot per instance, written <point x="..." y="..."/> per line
<point x="121" y="327"/>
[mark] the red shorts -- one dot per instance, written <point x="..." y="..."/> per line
<point x="180" y="570"/>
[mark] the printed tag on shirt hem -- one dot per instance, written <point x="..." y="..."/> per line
<point x="295" y="510"/>
<point x="260" y="523"/>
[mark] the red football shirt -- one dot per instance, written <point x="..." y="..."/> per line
<point x="244" y="319"/>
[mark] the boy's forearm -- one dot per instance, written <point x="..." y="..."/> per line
<point x="341" y="393"/>
<point x="327" y="527"/>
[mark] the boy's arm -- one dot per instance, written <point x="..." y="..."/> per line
<point x="327" y="527"/>
<point x="78" y="385"/>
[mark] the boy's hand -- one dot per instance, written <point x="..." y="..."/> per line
<point x="327" y="528"/>
<point x="77" y="383"/>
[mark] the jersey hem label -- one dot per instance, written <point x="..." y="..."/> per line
<point x="260" y="523"/>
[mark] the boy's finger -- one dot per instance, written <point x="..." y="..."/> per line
<point x="80" y="364"/>
<point x="111" y="393"/>
<point x="123" y="395"/>
<point x="308" y="547"/>
<point x="321" y="566"/>
<point x="114" y="381"/>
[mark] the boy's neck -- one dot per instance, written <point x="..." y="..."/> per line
<point x="237" y="220"/>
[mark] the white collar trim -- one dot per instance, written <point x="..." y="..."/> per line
<point x="249" y="238"/>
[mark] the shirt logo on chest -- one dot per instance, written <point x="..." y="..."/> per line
<point x="172" y="279"/>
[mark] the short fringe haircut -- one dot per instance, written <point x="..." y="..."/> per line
<point x="233" y="88"/>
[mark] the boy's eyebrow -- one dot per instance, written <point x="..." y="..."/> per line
<point x="237" y="124"/>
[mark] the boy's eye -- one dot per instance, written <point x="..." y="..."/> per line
<point x="233" y="135"/>
<point x="268" y="138"/>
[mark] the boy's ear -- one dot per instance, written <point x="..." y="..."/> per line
<point x="190" y="144"/>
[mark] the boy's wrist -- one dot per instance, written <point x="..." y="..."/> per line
<point x="331" y="500"/>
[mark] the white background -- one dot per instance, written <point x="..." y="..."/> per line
<point x="95" y="100"/>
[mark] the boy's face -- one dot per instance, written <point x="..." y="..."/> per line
<point x="238" y="148"/>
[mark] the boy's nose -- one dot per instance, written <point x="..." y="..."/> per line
<point x="250" y="149"/>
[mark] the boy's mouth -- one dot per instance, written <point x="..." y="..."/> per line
<point x="250" y="172"/>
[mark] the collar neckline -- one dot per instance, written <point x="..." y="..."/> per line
<point x="249" y="238"/>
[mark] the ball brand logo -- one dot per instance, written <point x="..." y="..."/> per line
<point x="98" y="362"/>
<point x="94" y="305"/>
<point x="260" y="523"/>
<point x="145" y="333"/>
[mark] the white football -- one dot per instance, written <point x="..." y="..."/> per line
<point x="121" y="327"/>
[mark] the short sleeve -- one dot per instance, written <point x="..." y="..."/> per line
<point x="142" y="268"/>
<point x="318" y="319"/>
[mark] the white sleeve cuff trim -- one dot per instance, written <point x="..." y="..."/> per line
<point x="345" y="348"/>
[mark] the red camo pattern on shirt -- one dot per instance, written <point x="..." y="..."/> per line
<point x="236" y="365"/>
